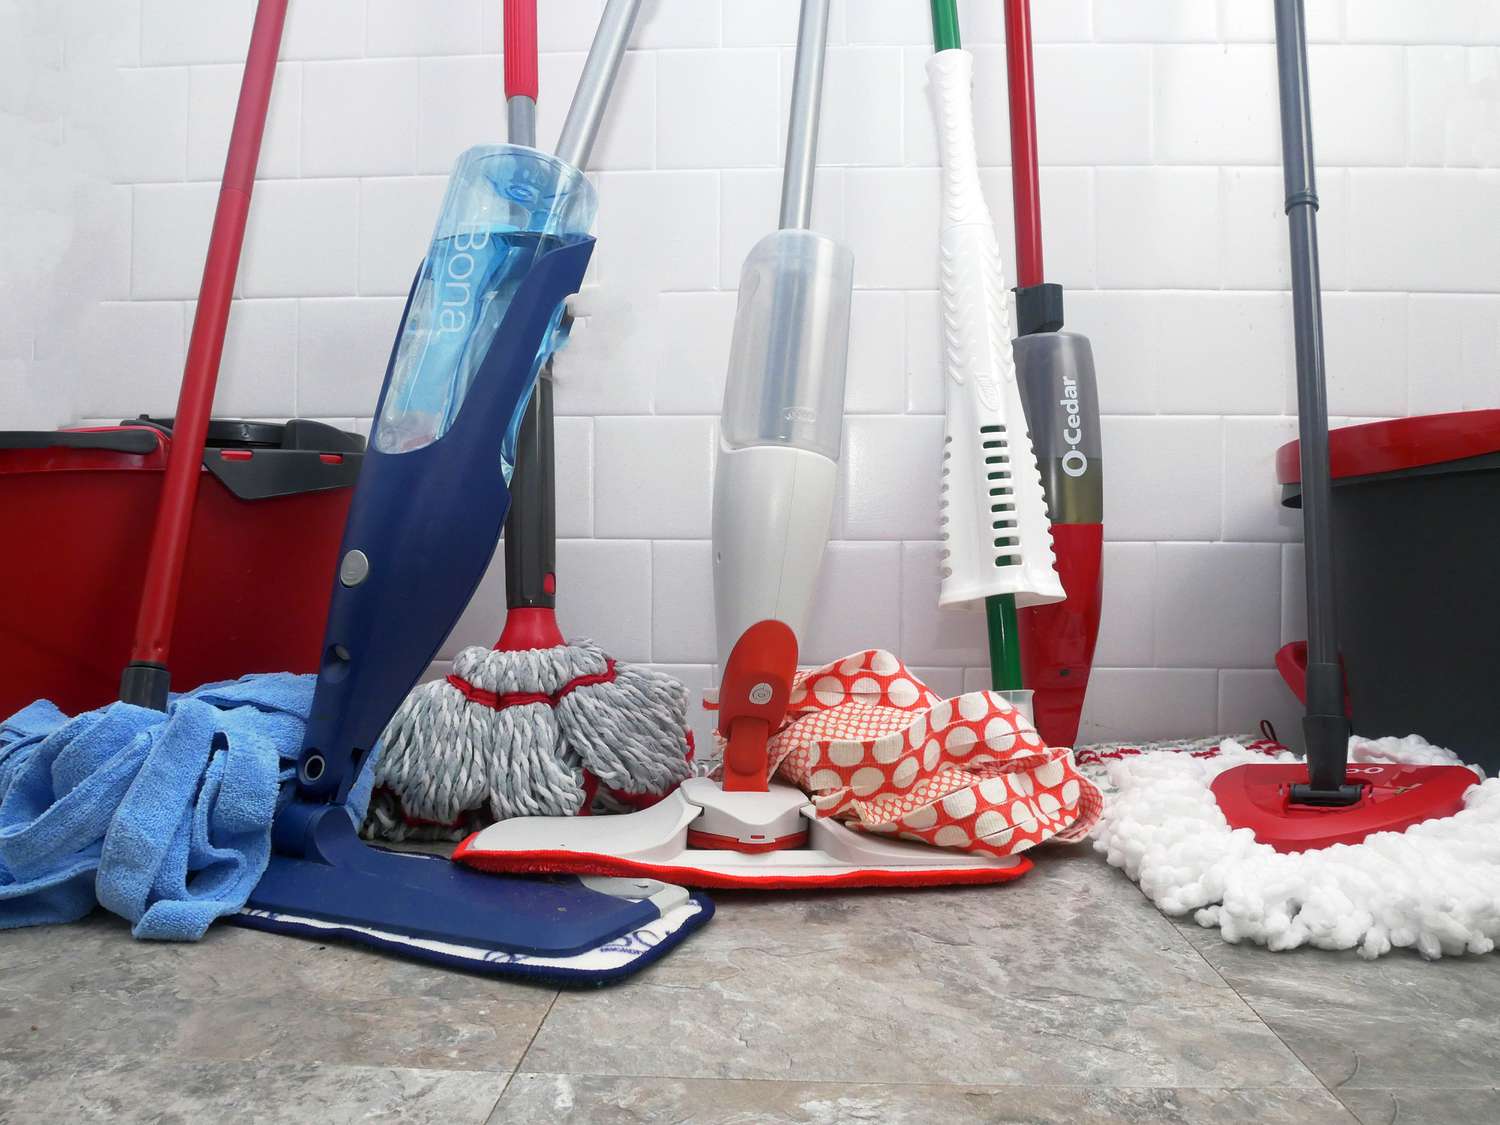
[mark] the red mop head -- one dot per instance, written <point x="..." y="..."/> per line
<point x="1393" y="798"/>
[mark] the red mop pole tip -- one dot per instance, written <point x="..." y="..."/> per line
<point x="1394" y="798"/>
<point x="528" y="627"/>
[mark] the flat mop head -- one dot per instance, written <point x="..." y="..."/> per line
<point x="907" y="789"/>
<point x="544" y="931"/>
<point x="1392" y="798"/>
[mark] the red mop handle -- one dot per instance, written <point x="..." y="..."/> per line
<point x="200" y="374"/>
<point x="520" y="49"/>
<point x="1023" y="155"/>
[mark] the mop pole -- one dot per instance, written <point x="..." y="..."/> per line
<point x="1001" y="624"/>
<point x="1325" y="726"/>
<point x="146" y="679"/>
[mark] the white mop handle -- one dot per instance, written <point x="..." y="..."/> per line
<point x="992" y="512"/>
<point x="976" y="316"/>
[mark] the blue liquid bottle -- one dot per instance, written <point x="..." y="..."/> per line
<point x="506" y="205"/>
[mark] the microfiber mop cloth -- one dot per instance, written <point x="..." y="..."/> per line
<point x="877" y="748"/>
<point x="1434" y="887"/>
<point x="162" y="818"/>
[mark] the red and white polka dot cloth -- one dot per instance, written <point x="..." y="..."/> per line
<point x="877" y="748"/>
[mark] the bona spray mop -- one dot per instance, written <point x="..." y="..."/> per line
<point x="511" y="243"/>
<point x="536" y="726"/>
<point x="773" y="501"/>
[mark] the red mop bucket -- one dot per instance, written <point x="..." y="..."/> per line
<point x="78" y="508"/>
<point x="1414" y="549"/>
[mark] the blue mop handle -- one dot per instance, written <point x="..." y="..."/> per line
<point x="422" y="527"/>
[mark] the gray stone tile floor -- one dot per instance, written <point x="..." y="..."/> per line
<point x="1064" y="997"/>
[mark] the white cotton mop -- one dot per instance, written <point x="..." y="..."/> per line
<point x="1434" y="888"/>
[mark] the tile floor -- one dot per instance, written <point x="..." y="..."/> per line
<point x="1063" y="998"/>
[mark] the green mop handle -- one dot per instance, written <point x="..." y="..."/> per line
<point x="999" y="609"/>
<point x="945" y="25"/>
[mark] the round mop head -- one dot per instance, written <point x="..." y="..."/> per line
<point x="527" y="733"/>
<point x="1434" y="887"/>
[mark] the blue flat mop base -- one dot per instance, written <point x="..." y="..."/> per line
<point x="606" y="963"/>
<point x="333" y="885"/>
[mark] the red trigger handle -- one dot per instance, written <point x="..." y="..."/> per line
<point x="752" y="701"/>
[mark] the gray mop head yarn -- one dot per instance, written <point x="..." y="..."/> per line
<point x="461" y="764"/>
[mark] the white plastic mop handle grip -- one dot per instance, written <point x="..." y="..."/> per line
<point x="976" y="319"/>
<point x="997" y="535"/>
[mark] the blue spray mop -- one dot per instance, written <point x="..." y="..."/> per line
<point x="482" y="316"/>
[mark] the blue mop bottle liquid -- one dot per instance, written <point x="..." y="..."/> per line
<point x="505" y="206"/>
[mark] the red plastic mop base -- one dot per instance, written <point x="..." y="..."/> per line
<point x="707" y="875"/>
<point x="1395" y="797"/>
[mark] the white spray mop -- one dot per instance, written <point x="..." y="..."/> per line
<point x="773" y="502"/>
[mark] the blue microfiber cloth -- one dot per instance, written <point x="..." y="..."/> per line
<point x="164" y="819"/>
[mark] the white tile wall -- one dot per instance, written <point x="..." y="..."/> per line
<point x="1452" y="343"/>
<point x="359" y="117"/>
<point x="177" y="32"/>
<point x="660" y="478"/>
<point x="394" y="27"/>
<point x="682" y="602"/>
<point x="258" y="373"/>
<point x="343" y="345"/>
<point x="1213" y="604"/>
<point x="169" y="231"/>
<point x="159" y="95"/>
<point x="715" y="108"/>
<point x="1157" y="228"/>
<point x="1452" y="117"/>
<point x="858" y="602"/>
<point x="395" y="216"/>
<point x="1163" y="217"/>
<point x="1215" y="105"/>
<point x="297" y="240"/>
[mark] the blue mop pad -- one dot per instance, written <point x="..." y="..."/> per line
<point x="164" y="819"/>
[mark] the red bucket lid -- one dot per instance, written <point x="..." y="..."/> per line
<point x="1401" y="443"/>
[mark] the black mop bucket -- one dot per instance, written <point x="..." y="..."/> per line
<point x="1416" y="533"/>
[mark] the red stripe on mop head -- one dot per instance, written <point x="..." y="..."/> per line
<point x="588" y="863"/>
<point x="498" y="702"/>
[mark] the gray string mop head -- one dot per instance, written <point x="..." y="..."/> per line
<point x="525" y="734"/>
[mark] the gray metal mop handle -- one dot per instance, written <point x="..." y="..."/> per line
<point x="1312" y="402"/>
<point x="1326" y="730"/>
<point x="598" y="78"/>
<point x="802" y="123"/>
<point x="520" y="121"/>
